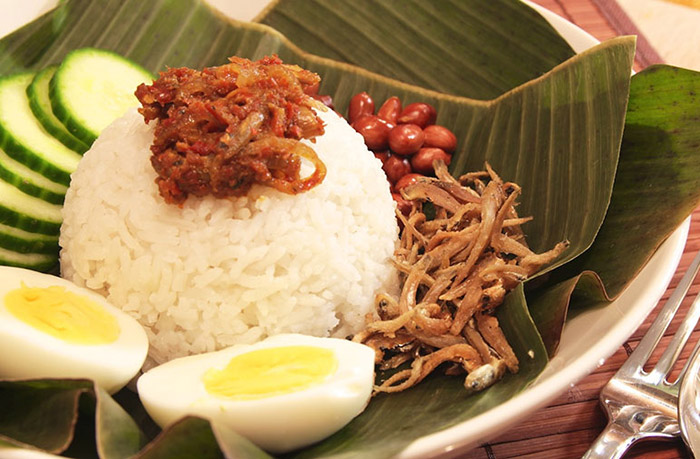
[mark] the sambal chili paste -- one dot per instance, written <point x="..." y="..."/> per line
<point x="223" y="129"/>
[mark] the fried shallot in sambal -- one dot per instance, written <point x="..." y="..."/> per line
<point x="222" y="129"/>
<point x="455" y="269"/>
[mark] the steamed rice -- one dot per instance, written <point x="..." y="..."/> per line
<point x="222" y="271"/>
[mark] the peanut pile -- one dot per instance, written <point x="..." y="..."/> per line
<point x="406" y="139"/>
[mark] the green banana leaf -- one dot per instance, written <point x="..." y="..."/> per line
<point x="657" y="183"/>
<point x="553" y="125"/>
<point x="43" y="414"/>
<point x="467" y="48"/>
<point x="656" y="188"/>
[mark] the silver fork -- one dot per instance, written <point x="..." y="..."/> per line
<point x="642" y="404"/>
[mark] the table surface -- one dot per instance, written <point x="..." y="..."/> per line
<point x="567" y="427"/>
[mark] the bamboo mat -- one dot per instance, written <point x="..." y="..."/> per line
<point x="566" y="428"/>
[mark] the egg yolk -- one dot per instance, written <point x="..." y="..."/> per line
<point x="271" y="371"/>
<point x="63" y="314"/>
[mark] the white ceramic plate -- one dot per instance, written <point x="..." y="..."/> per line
<point x="588" y="339"/>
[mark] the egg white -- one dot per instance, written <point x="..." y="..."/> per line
<point x="29" y="353"/>
<point x="277" y="423"/>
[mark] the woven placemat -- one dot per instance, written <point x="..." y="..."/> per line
<point x="604" y="19"/>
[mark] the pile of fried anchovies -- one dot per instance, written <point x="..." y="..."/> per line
<point x="455" y="268"/>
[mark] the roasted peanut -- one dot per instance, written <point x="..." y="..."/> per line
<point x="396" y="167"/>
<point x="382" y="156"/>
<point x="439" y="137"/>
<point x="406" y="139"/>
<point x="406" y="180"/>
<point x="422" y="162"/>
<point x="375" y="132"/>
<point x="390" y="109"/>
<point x="325" y="99"/>
<point x="418" y="113"/>
<point x="361" y="104"/>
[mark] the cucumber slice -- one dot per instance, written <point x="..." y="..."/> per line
<point x="32" y="183"/>
<point x="92" y="87"/>
<point x="21" y="241"/>
<point x="25" y="140"/>
<point x="38" y="93"/>
<point x="35" y="261"/>
<point x="25" y="212"/>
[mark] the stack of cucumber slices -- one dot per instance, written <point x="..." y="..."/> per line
<point x="48" y="120"/>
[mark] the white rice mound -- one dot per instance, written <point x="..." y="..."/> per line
<point x="217" y="272"/>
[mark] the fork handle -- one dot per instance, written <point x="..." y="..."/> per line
<point x="612" y="443"/>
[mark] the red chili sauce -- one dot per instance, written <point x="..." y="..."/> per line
<point x="223" y="129"/>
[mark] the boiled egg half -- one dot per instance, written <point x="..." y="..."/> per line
<point x="283" y="393"/>
<point x="51" y="328"/>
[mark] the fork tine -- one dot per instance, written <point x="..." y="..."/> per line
<point x="651" y="338"/>
<point x="670" y="355"/>
<point x="688" y="362"/>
